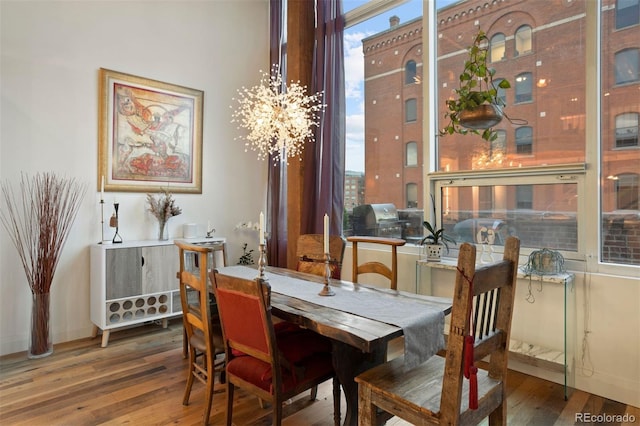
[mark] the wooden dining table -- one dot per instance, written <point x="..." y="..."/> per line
<point x="359" y="343"/>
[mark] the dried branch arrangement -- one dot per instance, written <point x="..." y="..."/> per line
<point x="38" y="224"/>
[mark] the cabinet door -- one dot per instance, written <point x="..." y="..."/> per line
<point x="123" y="273"/>
<point x="161" y="264"/>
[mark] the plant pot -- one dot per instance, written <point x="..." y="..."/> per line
<point x="433" y="251"/>
<point x="482" y="117"/>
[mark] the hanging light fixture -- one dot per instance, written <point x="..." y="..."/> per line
<point x="279" y="119"/>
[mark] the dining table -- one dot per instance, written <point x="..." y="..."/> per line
<point x="359" y="319"/>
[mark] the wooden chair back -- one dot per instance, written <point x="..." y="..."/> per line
<point x="480" y="327"/>
<point x="375" y="267"/>
<point x="311" y="258"/>
<point x="260" y="360"/>
<point x="201" y="323"/>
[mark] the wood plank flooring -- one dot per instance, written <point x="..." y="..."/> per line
<point x="139" y="379"/>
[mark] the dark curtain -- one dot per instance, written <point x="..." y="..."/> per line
<point x="277" y="178"/>
<point x="324" y="160"/>
<point x="324" y="163"/>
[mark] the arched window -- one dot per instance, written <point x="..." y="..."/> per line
<point x="412" y="154"/>
<point x="523" y="40"/>
<point x="627" y="130"/>
<point x="497" y="47"/>
<point x="524" y="140"/>
<point x="627" y="63"/>
<point x="412" y="195"/>
<point x="627" y="13"/>
<point x="524" y="87"/>
<point x="627" y="188"/>
<point x="410" y="71"/>
<point x="410" y="110"/>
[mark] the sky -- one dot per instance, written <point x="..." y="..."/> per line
<point x="354" y="71"/>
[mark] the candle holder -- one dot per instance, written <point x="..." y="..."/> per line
<point x="210" y="232"/>
<point x="262" y="262"/>
<point x="117" y="239"/>
<point x="102" y="241"/>
<point x="326" y="289"/>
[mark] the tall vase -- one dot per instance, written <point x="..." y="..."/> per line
<point x="40" y="339"/>
<point x="163" y="230"/>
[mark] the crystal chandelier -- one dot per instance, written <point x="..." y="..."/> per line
<point x="278" y="120"/>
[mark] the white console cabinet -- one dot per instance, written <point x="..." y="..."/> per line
<point x="133" y="282"/>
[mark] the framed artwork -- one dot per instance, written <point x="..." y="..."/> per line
<point x="150" y="135"/>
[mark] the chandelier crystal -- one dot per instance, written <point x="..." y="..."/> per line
<point x="278" y="119"/>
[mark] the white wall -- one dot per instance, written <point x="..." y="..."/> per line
<point x="51" y="52"/>
<point x="606" y="306"/>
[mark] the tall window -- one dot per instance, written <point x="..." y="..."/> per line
<point x="497" y="47"/>
<point x="410" y="110"/>
<point x="524" y="140"/>
<point x="627" y="64"/>
<point x="627" y="13"/>
<point x="523" y="40"/>
<point x="627" y="130"/>
<point x="524" y="87"/>
<point x="412" y="154"/>
<point x="410" y="71"/>
<point x="542" y="195"/>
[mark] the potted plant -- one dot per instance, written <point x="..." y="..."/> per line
<point x="477" y="107"/>
<point x="435" y="239"/>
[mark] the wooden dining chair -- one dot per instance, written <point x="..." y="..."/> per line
<point x="201" y="324"/>
<point x="452" y="390"/>
<point x="374" y="267"/>
<point x="274" y="366"/>
<point x="311" y="257"/>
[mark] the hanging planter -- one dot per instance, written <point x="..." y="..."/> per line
<point x="481" y="117"/>
<point x="477" y="106"/>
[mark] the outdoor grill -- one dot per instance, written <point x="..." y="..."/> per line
<point x="378" y="220"/>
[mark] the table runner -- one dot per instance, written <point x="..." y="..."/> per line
<point x="422" y="325"/>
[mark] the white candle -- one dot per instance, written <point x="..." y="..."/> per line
<point x="261" y="231"/>
<point x="326" y="233"/>
<point x="102" y="188"/>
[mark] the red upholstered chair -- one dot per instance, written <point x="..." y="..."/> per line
<point x="274" y="366"/>
<point x="310" y="253"/>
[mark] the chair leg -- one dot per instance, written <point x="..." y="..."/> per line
<point x="366" y="410"/>
<point x="190" y="377"/>
<point x="314" y="393"/>
<point x="277" y="411"/>
<point x="336" y="401"/>
<point x="208" y="396"/>
<point x="229" y="415"/>
<point x="498" y="417"/>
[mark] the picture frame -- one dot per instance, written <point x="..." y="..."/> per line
<point x="150" y="135"/>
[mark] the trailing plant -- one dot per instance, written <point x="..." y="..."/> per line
<point x="476" y="87"/>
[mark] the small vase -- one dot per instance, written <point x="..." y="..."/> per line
<point x="40" y="339"/>
<point x="163" y="230"/>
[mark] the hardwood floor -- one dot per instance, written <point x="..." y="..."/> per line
<point x="140" y="377"/>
